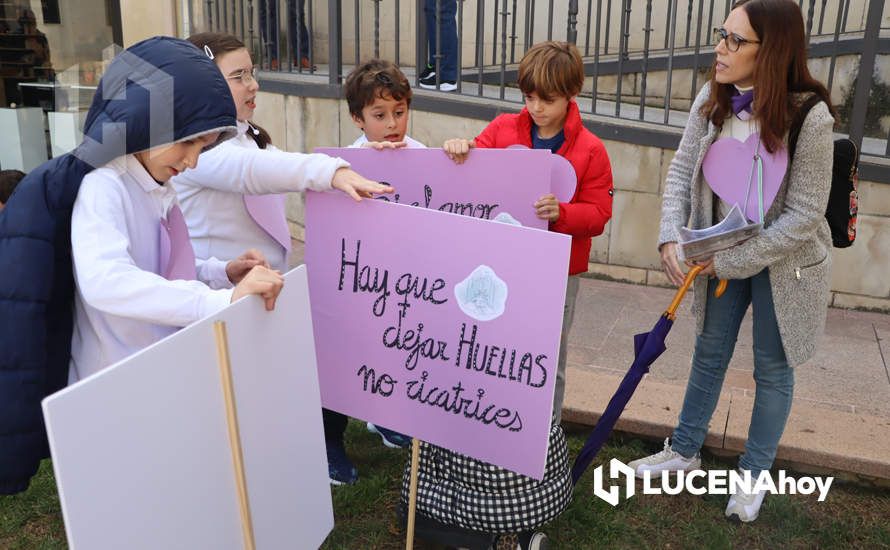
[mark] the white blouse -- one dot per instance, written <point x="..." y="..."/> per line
<point x="122" y="304"/>
<point x="212" y="195"/>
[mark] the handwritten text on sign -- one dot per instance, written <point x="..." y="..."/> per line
<point x="491" y="184"/>
<point x="443" y="327"/>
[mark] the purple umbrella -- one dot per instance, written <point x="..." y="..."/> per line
<point x="648" y="346"/>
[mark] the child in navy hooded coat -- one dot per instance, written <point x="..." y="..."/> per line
<point x="160" y="102"/>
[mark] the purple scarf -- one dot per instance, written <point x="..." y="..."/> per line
<point x="741" y="101"/>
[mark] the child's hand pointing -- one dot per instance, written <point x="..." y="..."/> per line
<point x="356" y="186"/>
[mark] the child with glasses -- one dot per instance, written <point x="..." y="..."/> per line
<point x="235" y="198"/>
<point x="758" y="82"/>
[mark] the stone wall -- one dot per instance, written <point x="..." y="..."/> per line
<point x="141" y="20"/>
<point x="626" y="251"/>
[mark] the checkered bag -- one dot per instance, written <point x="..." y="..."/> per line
<point x="457" y="490"/>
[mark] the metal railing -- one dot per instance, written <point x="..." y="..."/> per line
<point x="644" y="60"/>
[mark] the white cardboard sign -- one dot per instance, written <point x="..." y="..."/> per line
<point x="141" y="450"/>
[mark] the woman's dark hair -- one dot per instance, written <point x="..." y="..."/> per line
<point x="780" y="71"/>
<point x="219" y="44"/>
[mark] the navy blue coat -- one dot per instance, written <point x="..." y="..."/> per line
<point x="159" y="91"/>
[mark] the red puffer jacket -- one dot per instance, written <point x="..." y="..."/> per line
<point x="590" y="209"/>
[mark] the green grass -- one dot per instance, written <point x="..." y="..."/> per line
<point x="33" y="519"/>
<point x="851" y="517"/>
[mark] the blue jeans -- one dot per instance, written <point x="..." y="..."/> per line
<point x="296" y="12"/>
<point x="713" y="349"/>
<point x="448" y="41"/>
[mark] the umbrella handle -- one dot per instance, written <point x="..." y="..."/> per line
<point x="681" y="292"/>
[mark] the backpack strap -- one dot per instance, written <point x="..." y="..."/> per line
<point x="797" y="123"/>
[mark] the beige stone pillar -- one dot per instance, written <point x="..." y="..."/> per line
<point x="143" y="19"/>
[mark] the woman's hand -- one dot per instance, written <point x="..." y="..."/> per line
<point x="706" y="265"/>
<point x="670" y="264"/>
<point x="353" y="184"/>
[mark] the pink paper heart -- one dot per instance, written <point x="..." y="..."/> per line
<point x="563" y="179"/>
<point x="727" y="167"/>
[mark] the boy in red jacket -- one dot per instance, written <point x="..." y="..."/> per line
<point x="551" y="74"/>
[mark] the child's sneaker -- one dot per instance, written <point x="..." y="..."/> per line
<point x="393" y="440"/>
<point x="340" y="468"/>
<point x="533" y="540"/>
<point x="665" y="460"/>
<point x="744" y="506"/>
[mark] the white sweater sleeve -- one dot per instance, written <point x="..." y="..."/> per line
<point x="252" y="171"/>
<point x="109" y="279"/>
<point x="212" y="272"/>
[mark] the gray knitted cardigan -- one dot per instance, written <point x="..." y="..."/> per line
<point x="796" y="242"/>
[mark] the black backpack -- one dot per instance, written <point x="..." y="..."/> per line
<point x="843" y="200"/>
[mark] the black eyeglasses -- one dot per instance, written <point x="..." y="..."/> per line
<point x="733" y="41"/>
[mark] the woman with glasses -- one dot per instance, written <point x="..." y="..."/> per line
<point x="735" y="143"/>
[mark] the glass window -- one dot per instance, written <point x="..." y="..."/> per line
<point x="51" y="59"/>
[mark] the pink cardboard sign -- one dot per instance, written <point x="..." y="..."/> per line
<point x="442" y="327"/>
<point x="493" y="184"/>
